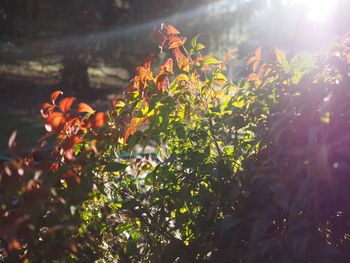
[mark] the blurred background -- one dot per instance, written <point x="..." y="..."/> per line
<point x="89" y="48"/>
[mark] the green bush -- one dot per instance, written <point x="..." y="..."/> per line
<point x="253" y="171"/>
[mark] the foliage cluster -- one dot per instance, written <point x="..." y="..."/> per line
<point x="253" y="171"/>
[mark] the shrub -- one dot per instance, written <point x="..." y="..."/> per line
<point x="253" y="171"/>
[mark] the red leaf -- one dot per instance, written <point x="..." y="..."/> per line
<point x="53" y="121"/>
<point x="72" y="125"/>
<point x="54" y="95"/>
<point x="85" y="124"/>
<point x="83" y="107"/>
<point x="54" y="166"/>
<point x="72" y="142"/>
<point x="66" y="103"/>
<point x="100" y="119"/>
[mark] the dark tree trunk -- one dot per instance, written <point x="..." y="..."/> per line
<point x="74" y="74"/>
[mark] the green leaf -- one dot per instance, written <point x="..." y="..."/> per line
<point x="200" y="46"/>
<point x="210" y="60"/>
<point x="194" y="41"/>
<point x="114" y="167"/>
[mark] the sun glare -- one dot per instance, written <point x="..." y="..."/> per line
<point x="318" y="11"/>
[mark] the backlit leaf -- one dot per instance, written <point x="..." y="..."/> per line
<point x="66" y="103"/>
<point x="54" y="95"/>
<point x="83" y="107"/>
<point x="144" y="73"/>
<point x="168" y="66"/>
<point x="54" y="120"/>
<point x="200" y="46"/>
<point x="175" y="42"/>
<point x="162" y="82"/>
<point x="148" y="61"/>
<point x="118" y="103"/>
<point x="170" y="29"/>
<point x="210" y="60"/>
<point x="100" y="119"/>
<point x="46" y="109"/>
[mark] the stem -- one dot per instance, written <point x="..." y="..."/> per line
<point x="211" y="128"/>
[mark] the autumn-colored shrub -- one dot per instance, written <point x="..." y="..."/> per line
<point x="251" y="171"/>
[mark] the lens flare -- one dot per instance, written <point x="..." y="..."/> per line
<point x="318" y="11"/>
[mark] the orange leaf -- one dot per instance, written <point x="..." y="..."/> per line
<point x="183" y="63"/>
<point x="148" y="61"/>
<point x="171" y="30"/>
<point x="129" y="132"/>
<point x="230" y="54"/>
<point x="348" y="58"/>
<point x="181" y="59"/>
<point x="162" y="82"/>
<point x="255" y="65"/>
<point x="53" y="121"/>
<point x="134" y="122"/>
<point x="144" y="73"/>
<point x="175" y="42"/>
<point x="54" y="95"/>
<point x="252" y="77"/>
<point x="262" y="71"/>
<point x="199" y="59"/>
<point x="177" y="54"/>
<point x="257" y="53"/>
<point x="251" y="60"/>
<point x="100" y="119"/>
<point x="168" y="66"/>
<point x="83" y="107"/>
<point x="66" y="103"/>
<point x="46" y="109"/>
<point x="160" y="37"/>
<point x="70" y="125"/>
<point x="14" y="244"/>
